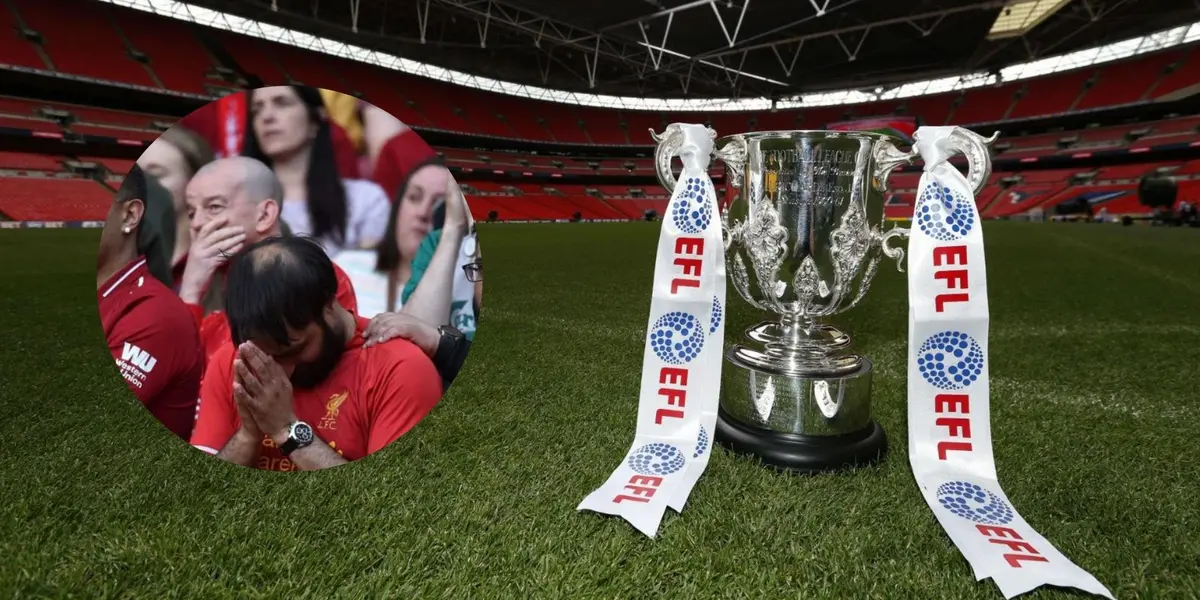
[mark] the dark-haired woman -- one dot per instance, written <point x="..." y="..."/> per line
<point x="431" y="261"/>
<point x="150" y="332"/>
<point x="290" y="132"/>
<point x="173" y="159"/>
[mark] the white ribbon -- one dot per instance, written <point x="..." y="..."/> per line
<point x="681" y="364"/>
<point x="950" y="446"/>
<point x="949" y="435"/>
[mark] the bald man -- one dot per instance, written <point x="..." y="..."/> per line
<point x="232" y="203"/>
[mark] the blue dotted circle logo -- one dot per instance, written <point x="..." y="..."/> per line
<point x="950" y="360"/>
<point x="677" y="338"/>
<point x="692" y="212"/>
<point x="944" y="214"/>
<point x="656" y="459"/>
<point x="716" y="316"/>
<point x="701" y="443"/>
<point x="974" y="503"/>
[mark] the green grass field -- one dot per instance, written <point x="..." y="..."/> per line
<point x="1094" y="412"/>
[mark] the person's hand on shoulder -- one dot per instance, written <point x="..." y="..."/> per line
<point x="389" y="326"/>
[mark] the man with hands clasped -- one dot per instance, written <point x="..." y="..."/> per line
<point x="233" y="203"/>
<point x="297" y="386"/>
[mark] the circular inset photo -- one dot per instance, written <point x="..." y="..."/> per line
<point x="289" y="278"/>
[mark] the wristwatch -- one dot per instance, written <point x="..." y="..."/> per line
<point x="447" y="347"/>
<point x="300" y="434"/>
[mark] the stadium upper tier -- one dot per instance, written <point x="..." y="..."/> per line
<point x="41" y="187"/>
<point x="105" y="42"/>
<point x="46" y="117"/>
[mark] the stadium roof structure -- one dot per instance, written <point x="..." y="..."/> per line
<point x="717" y="52"/>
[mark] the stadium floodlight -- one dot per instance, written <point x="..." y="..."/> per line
<point x="1020" y="18"/>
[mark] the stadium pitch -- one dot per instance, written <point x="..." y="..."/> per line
<point x="1094" y="415"/>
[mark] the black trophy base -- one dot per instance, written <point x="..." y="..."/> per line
<point x="808" y="455"/>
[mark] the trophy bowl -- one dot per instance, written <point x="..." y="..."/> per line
<point x="804" y="236"/>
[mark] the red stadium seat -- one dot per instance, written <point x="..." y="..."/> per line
<point x="53" y="199"/>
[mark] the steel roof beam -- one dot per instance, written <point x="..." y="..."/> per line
<point x="501" y="14"/>
<point x="986" y="5"/>
<point x="657" y="15"/>
<point x="732" y="39"/>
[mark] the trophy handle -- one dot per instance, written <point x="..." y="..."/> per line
<point x="887" y="158"/>
<point x="962" y="141"/>
<point x="673" y="141"/>
<point x="897" y="253"/>
<point x="670" y="144"/>
<point x="733" y="154"/>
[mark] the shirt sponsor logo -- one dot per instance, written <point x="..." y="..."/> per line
<point x="135" y="364"/>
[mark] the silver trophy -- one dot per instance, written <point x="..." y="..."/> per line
<point x="803" y="237"/>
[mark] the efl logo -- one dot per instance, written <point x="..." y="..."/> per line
<point x="951" y="361"/>
<point x="947" y="215"/>
<point x="701" y="443"/>
<point x="989" y="513"/>
<point x="944" y="214"/>
<point x="691" y="214"/>
<point x="651" y="462"/>
<point x="676" y="338"/>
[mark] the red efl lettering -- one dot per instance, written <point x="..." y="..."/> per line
<point x="951" y="255"/>
<point x="638" y="490"/>
<point x="1019" y="545"/>
<point x="682" y="283"/>
<point x="690" y="245"/>
<point x="945" y="448"/>
<point x="646" y="480"/>
<point x="673" y="375"/>
<point x="997" y="531"/>
<point x="1014" y="560"/>
<point x="955" y="426"/>
<point x="666" y="413"/>
<point x="956" y="279"/>
<point x="642" y="487"/>
<point x="691" y="266"/>
<point x="674" y="397"/>
<point x="954" y="403"/>
<point x="939" y="302"/>
<point x="1013" y="541"/>
<point x="621" y="498"/>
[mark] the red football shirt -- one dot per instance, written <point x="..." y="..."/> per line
<point x="214" y="329"/>
<point x="154" y="340"/>
<point x="371" y="398"/>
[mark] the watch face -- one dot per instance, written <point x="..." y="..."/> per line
<point x="302" y="433"/>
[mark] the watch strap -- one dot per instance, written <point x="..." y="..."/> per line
<point x="448" y="342"/>
<point x="292" y="443"/>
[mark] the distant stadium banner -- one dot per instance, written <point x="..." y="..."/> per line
<point x="950" y="435"/>
<point x="51" y="224"/>
<point x="682" y="356"/>
<point x="898" y="127"/>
